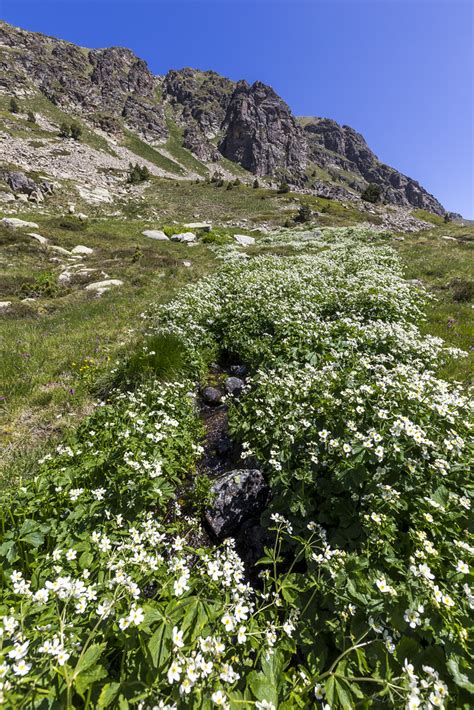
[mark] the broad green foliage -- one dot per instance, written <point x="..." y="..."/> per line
<point x="362" y="443"/>
<point x="111" y="597"/>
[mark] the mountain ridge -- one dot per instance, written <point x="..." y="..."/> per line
<point x="216" y="118"/>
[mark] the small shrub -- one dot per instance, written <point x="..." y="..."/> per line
<point x="65" y="130"/>
<point x="70" y="130"/>
<point x="203" y="495"/>
<point x="284" y="188"/>
<point x="71" y="223"/>
<point x="76" y="131"/>
<point x="137" y="255"/>
<point x="215" y="237"/>
<point x="372" y="193"/>
<point x="304" y="214"/>
<point x="462" y="290"/>
<point x="137" y="174"/>
<point x="44" y="284"/>
<point x="256" y="184"/>
<point x="31" y="117"/>
<point x="14" y="106"/>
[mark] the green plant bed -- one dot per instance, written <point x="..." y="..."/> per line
<point x="111" y="594"/>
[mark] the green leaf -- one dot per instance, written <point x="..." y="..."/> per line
<point x="85" y="560"/>
<point x="262" y="688"/>
<point x="151" y="615"/>
<point x="84" y="680"/>
<point x="158" y="647"/>
<point x="9" y="550"/>
<point x="459" y="677"/>
<point x="329" y="687"/>
<point x="344" y="694"/>
<point x="92" y="655"/>
<point x="108" y="694"/>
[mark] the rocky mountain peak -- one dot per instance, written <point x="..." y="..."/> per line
<point x="331" y="144"/>
<point x="261" y="133"/>
<point x="249" y="124"/>
<point x="113" y="80"/>
<point x="201" y="95"/>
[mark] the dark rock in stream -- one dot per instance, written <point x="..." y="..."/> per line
<point x="251" y="541"/>
<point x="211" y="396"/>
<point x="238" y="370"/>
<point x="240" y="495"/>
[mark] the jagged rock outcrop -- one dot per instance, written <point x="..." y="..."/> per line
<point x="199" y="95"/>
<point x="261" y="133"/>
<point x="195" y="140"/>
<point x="332" y="144"/>
<point x="111" y="81"/>
<point x="20" y="183"/>
<point x="115" y="90"/>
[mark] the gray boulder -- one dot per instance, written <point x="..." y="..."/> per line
<point x="22" y="184"/>
<point x="18" y="181"/>
<point x="38" y="237"/>
<point x="234" y="385"/>
<point x="244" y="240"/>
<point x="211" y="396"/>
<point x="15" y="223"/>
<point x="239" y="495"/>
<point x="81" y="249"/>
<point x="184" y="237"/>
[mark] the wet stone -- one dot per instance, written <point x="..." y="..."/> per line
<point x="211" y="396"/>
<point x="238" y="370"/>
<point x="234" y="385"/>
<point x="240" y="495"/>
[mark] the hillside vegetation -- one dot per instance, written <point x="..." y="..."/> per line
<point x="235" y="401"/>
<point x="114" y="595"/>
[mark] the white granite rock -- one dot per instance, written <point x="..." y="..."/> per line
<point x="38" y="237"/>
<point x="15" y="223"/>
<point x="203" y="226"/>
<point x="80" y="249"/>
<point x="103" y="285"/>
<point x="244" y="240"/>
<point x="155" y="234"/>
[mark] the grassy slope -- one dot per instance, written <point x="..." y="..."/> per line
<point x="17" y="125"/>
<point x="445" y="268"/>
<point x="41" y="341"/>
<point x="53" y="352"/>
<point x="184" y="200"/>
<point x="184" y="157"/>
<point x="144" y="150"/>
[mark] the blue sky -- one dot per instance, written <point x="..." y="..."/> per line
<point x="399" y="71"/>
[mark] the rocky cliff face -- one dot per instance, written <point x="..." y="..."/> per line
<point x="261" y="133"/>
<point x="332" y="144"/>
<point x="109" y="81"/>
<point x="199" y="95"/>
<point x="251" y="125"/>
